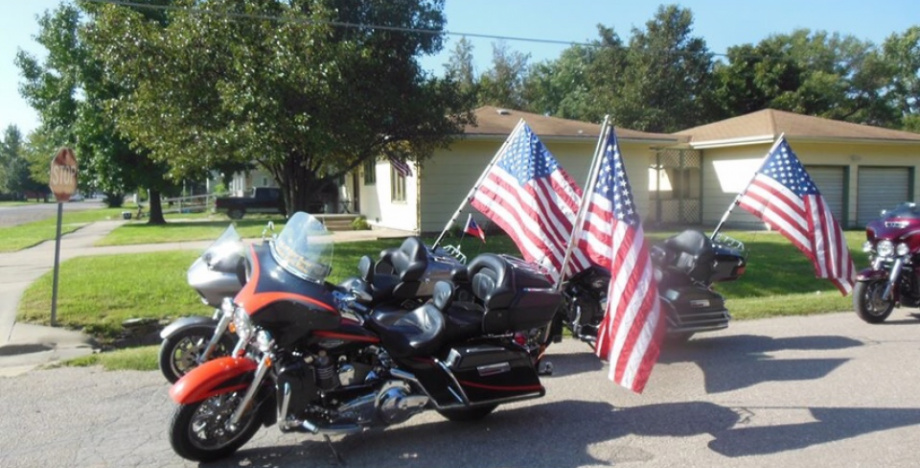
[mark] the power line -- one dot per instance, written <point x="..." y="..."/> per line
<point x="345" y="24"/>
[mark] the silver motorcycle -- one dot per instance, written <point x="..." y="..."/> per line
<point x="218" y="274"/>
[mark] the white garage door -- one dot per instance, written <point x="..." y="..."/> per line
<point x="831" y="183"/>
<point x="880" y="188"/>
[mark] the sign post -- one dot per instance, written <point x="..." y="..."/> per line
<point x="63" y="183"/>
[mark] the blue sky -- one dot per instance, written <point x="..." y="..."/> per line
<point x="722" y="23"/>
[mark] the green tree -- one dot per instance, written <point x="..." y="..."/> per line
<point x="566" y="87"/>
<point x="901" y="54"/>
<point x="283" y="84"/>
<point x="812" y="73"/>
<point x="17" y="177"/>
<point x="503" y="84"/>
<point x="69" y="92"/>
<point x="460" y="66"/>
<point x="667" y="77"/>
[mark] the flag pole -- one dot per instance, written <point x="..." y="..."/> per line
<point x="585" y="199"/>
<point x="482" y="177"/>
<point x="737" y="199"/>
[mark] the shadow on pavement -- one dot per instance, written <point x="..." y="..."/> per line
<point x="735" y="362"/>
<point x="576" y="433"/>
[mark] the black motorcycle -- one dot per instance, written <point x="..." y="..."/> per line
<point x="317" y="361"/>
<point x="686" y="266"/>
<point x="402" y="278"/>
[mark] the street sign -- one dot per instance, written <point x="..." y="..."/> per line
<point x="63" y="177"/>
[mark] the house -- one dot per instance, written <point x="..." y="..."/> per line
<point x="859" y="169"/>
<point x="426" y="200"/>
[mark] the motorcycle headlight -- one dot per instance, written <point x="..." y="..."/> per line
<point x="264" y="341"/>
<point x="885" y="248"/>
<point x="868" y="246"/>
<point x="242" y="324"/>
<point x="902" y="249"/>
<point x="226" y="307"/>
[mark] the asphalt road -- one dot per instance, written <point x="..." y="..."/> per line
<point x="15" y="215"/>
<point x="826" y="390"/>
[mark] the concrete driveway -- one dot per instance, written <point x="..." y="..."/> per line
<point x="826" y="390"/>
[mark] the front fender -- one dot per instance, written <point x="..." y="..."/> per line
<point x="872" y="274"/>
<point x="186" y="322"/>
<point x="214" y="377"/>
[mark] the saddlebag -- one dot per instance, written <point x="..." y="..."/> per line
<point x="515" y="294"/>
<point x="488" y="372"/>
<point x="694" y="308"/>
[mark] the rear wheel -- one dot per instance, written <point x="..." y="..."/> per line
<point x="236" y="213"/>
<point x="468" y="414"/>
<point x="202" y="432"/>
<point x="180" y="351"/>
<point x="868" y="302"/>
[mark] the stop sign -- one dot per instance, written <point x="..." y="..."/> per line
<point x="63" y="178"/>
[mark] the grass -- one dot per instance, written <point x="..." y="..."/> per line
<point x="779" y="281"/>
<point x="34" y="233"/>
<point x="185" y="230"/>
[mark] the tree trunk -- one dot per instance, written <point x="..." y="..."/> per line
<point x="155" y="212"/>
<point x="301" y="187"/>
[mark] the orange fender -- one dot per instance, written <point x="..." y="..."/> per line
<point x="214" y="377"/>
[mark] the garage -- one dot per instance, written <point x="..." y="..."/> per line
<point x="831" y="182"/>
<point x="881" y="188"/>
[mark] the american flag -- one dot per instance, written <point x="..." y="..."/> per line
<point x="633" y="326"/>
<point x="783" y="195"/>
<point x="473" y="229"/>
<point x="528" y="194"/>
<point x="401" y="167"/>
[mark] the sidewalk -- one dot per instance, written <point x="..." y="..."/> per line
<point x="25" y="346"/>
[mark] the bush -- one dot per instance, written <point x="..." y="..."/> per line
<point x="360" y="224"/>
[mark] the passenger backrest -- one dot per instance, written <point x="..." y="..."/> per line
<point x="491" y="281"/>
<point x="694" y="254"/>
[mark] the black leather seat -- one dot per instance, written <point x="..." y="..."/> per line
<point x="419" y="332"/>
<point x="407" y="264"/>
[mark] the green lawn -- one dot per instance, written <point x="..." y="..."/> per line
<point x="184" y="229"/>
<point x="34" y="233"/>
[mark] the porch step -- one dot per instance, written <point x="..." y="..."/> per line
<point x="337" y="222"/>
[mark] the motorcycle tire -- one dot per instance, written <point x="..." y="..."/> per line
<point x="198" y="431"/>
<point x="868" y="303"/>
<point x="179" y="352"/>
<point x="467" y="414"/>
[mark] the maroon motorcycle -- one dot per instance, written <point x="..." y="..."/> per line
<point x="318" y="361"/>
<point x="893" y="245"/>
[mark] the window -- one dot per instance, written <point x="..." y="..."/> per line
<point x="370" y="172"/>
<point x="397" y="186"/>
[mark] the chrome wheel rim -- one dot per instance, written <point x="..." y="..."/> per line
<point x="210" y="428"/>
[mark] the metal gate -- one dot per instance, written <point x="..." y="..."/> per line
<point x="675" y="187"/>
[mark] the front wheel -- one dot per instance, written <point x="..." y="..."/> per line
<point x="868" y="302"/>
<point x="202" y="431"/>
<point x="179" y="352"/>
<point x="468" y="414"/>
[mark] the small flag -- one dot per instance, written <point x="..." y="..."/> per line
<point x="401" y="167"/>
<point x="473" y="229"/>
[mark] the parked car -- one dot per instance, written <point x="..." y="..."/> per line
<point x="261" y="200"/>
<point x="76" y="197"/>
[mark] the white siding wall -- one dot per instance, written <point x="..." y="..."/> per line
<point x="379" y="208"/>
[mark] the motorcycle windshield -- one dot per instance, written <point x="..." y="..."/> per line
<point x="226" y="249"/>
<point x="304" y="248"/>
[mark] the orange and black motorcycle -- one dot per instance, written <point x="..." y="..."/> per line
<point x="317" y="361"/>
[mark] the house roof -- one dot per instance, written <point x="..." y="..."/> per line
<point x="768" y="124"/>
<point x="493" y="121"/>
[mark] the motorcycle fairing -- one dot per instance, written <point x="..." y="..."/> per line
<point x="214" y="377"/>
<point x="871" y="274"/>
